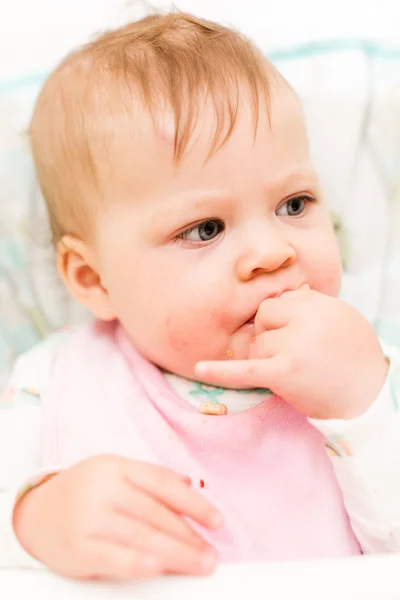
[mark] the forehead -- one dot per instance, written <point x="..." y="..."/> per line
<point x="140" y="153"/>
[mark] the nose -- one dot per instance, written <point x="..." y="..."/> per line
<point x="265" y="251"/>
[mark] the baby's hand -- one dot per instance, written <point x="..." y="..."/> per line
<point x="316" y="352"/>
<point x="115" y="518"/>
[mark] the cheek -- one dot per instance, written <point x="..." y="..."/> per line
<point x="179" y="330"/>
<point x="175" y="314"/>
<point x="324" y="267"/>
<point x="192" y="325"/>
<point x="195" y="324"/>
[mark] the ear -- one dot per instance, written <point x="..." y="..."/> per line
<point x="77" y="267"/>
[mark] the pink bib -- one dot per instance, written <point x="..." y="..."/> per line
<point x="266" y="469"/>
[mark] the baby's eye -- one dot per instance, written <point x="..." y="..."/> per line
<point x="203" y="232"/>
<point x="293" y="207"/>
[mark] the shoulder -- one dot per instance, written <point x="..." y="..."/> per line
<point x="32" y="370"/>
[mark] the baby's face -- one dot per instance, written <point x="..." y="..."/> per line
<point x="187" y="254"/>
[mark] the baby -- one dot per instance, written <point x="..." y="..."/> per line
<point x="188" y="219"/>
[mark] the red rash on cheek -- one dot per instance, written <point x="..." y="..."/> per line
<point x="220" y="320"/>
<point x="177" y="344"/>
<point x="183" y="332"/>
<point x="176" y="341"/>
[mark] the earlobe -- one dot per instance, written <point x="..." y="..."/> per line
<point x="80" y="273"/>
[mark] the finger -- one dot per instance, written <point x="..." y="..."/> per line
<point x="172" y="554"/>
<point x="143" y="507"/>
<point x="240" y="374"/>
<point x="164" y="486"/>
<point x="266" y="345"/>
<point x="273" y="313"/>
<point x="303" y="287"/>
<point x="276" y="313"/>
<point x="141" y="466"/>
<point x="110" y="561"/>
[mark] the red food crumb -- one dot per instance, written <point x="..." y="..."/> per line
<point x="201" y="483"/>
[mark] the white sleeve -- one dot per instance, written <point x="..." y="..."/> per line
<point x="365" y="454"/>
<point x="20" y="435"/>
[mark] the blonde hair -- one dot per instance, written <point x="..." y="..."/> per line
<point x="168" y="60"/>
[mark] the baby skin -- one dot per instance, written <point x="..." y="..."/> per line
<point x="222" y="269"/>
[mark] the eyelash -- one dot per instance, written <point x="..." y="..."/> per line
<point x="303" y="197"/>
<point x="182" y="238"/>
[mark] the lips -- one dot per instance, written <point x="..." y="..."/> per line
<point x="251" y="320"/>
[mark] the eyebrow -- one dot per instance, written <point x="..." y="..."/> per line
<point x="293" y="177"/>
<point x="200" y="200"/>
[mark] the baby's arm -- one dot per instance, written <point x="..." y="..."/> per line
<point x="323" y="358"/>
<point x="366" y="458"/>
<point x="106" y="517"/>
<point x="19" y="460"/>
<point x="20" y="441"/>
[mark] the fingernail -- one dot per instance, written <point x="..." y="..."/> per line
<point x="215" y="520"/>
<point x="199" y="542"/>
<point x="201" y="368"/>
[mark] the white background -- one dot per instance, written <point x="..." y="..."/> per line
<point x="34" y="34"/>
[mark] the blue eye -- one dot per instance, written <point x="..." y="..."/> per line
<point x="203" y="232"/>
<point x="293" y="207"/>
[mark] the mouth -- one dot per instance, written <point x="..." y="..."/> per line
<point x="250" y="321"/>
